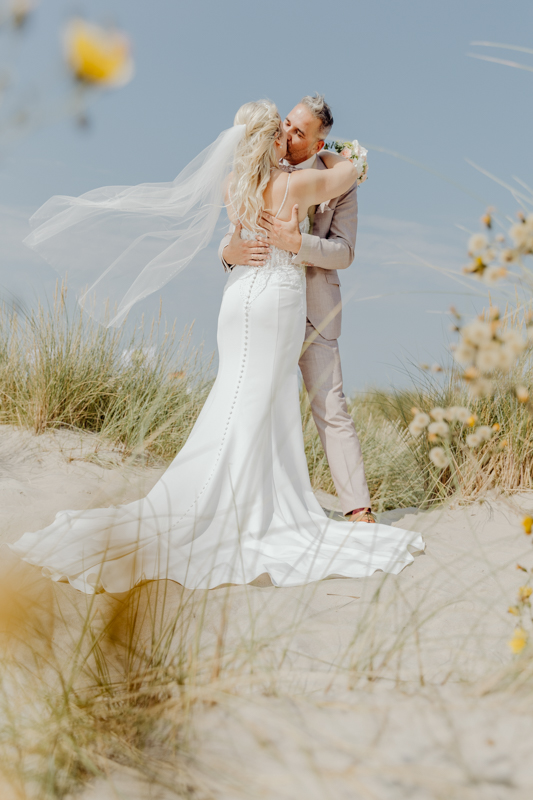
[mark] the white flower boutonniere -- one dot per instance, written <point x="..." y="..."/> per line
<point x="355" y="153"/>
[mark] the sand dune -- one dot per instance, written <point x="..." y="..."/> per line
<point x="388" y="687"/>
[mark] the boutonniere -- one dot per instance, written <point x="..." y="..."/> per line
<point x="323" y="207"/>
<point x="355" y="153"/>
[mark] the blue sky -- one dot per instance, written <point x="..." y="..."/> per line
<point x="398" y="78"/>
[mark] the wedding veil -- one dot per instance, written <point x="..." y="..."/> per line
<point x="119" y="244"/>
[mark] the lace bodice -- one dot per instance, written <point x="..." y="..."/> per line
<point x="278" y="258"/>
<point x="279" y="268"/>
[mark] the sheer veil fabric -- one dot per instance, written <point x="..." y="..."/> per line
<point x="120" y="244"/>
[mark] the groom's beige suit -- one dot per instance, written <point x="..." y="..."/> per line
<point x="328" y="247"/>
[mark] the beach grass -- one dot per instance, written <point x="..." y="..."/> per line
<point x="91" y="685"/>
<point x="142" y="391"/>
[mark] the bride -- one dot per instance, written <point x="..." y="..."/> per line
<point x="236" y="501"/>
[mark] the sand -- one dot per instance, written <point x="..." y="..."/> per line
<point x="388" y="687"/>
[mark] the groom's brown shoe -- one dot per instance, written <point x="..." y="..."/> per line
<point x="361" y="515"/>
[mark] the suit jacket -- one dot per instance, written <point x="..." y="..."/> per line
<point x="327" y="248"/>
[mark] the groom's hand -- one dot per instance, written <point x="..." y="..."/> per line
<point x="251" y="252"/>
<point x="285" y="235"/>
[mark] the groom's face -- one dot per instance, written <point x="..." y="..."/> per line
<point x="303" y="139"/>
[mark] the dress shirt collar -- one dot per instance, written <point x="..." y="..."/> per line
<point x="304" y="164"/>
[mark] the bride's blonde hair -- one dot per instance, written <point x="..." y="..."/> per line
<point x="254" y="158"/>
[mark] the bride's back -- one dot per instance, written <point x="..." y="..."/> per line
<point x="278" y="200"/>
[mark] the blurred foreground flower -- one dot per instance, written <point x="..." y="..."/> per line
<point x="97" y="56"/>
<point x="439" y="457"/>
<point x="21" y="10"/>
<point x="420" y="421"/>
<point x="486" y="349"/>
<point x="522" y="394"/>
<point x="519" y="640"/>
<point x="524" y="593"/>
<point x="527" y="524"/>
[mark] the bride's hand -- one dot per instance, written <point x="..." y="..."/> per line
<point x="283" y="235"/>
<point x="250" y="252"/>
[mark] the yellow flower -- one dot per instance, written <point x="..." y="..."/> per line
<point x="471" y="374"/>
<point x="496" y="426"/>
<point x="514" y="610"/>
<point x="471" y="421"/>
<point x="524" y="592"/>
<point x="97" y="56"/>
<point x="486" y="219"/>
<point x="527" y="524"/>
<point x="522" y="394"/>
<point x="476" y="267"/>
<point x="519" y="640"/>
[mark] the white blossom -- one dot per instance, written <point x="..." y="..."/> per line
<point x="493" y="274"/>
<point x="439" y="428"/>
<point x="485" y="432"/>
<point x="477" y="242"/>
<point x="522" y="234"/>
<point x="439" y="457"/>
<point x="489" y="357"/>
<point x="474" y="440"/>
<point x="419" y="423"/>
<point x="464" y="354"/>
<point x="437" y="413"/>
<point x="359" y="150"/>
<point x="462" y="414"/>
<point x="514" y="340"/>
<point x="508" y="358"/>
<point x="477" y="332"/>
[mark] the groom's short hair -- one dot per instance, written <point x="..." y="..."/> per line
<point x="320" y="109"/>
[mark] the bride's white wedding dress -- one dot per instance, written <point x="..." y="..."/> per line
<point x="236" y="501"/>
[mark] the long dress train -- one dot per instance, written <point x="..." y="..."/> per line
<point x="236" y="501"/>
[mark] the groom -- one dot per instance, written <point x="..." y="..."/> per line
<point x="329" y="247"/>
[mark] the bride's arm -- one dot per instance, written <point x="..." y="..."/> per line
<point x="314" y="186"/>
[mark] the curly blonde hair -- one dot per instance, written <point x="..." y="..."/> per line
<point x="254" y="158"/>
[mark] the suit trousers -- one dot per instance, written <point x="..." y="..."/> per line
<point x="320" y="364"/>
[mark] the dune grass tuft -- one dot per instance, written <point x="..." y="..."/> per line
<point x="141" y="391"/>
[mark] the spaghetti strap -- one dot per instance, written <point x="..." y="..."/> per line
<point x="285" y="195"/>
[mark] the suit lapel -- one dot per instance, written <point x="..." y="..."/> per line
<point x="319" y="164"/>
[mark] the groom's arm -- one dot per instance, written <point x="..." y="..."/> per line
<point x="223" y="244"/>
